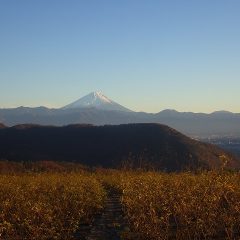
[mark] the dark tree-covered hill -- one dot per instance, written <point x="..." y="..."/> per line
<point x="129" y="145"/>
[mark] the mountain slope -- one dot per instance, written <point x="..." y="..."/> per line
<point x="96" y="100"/>
<point x="2" y="126"/>
<point x="132" y="145"/>
<point x="191" y="124"/>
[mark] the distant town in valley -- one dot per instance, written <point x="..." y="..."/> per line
<point x="229" y="143"/>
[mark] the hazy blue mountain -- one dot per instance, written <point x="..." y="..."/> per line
<point x="202" y="124"/>
<point x="97" y="109"/>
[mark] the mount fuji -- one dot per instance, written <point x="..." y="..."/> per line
<point x="96" y="100"/>
<point x="97" y="109"/>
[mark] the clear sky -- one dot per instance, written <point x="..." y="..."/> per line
<point x="147" y="55"/>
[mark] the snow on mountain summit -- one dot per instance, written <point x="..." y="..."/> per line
<point x="98" y="96"/>
<point x="96" y="100"/>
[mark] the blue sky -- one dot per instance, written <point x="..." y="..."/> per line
<point x="146" y="55"/>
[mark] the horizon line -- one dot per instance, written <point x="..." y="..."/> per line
<point x="165" y="109"/>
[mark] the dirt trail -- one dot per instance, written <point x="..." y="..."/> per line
<point x="109" y="225"/>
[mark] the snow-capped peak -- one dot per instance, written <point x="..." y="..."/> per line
<point x="96" y="100"/>
<point x="99" y="95"/>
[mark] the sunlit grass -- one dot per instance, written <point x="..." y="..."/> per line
<point x="157" y="205"/>
<point x="47" y="206"/>
<point x="182" y="206"/>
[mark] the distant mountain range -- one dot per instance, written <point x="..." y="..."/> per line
<point x="151" y="146"/>
<point x="97" y="109"/>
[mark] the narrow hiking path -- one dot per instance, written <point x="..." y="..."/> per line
<point x="108" y="225"/>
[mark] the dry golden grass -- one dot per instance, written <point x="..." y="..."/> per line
<point x="47" y="206"/>
<point x="157" y="205"/>
<point x="183" y="206"/>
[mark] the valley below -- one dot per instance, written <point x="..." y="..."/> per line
<point x="231" y="144"/>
